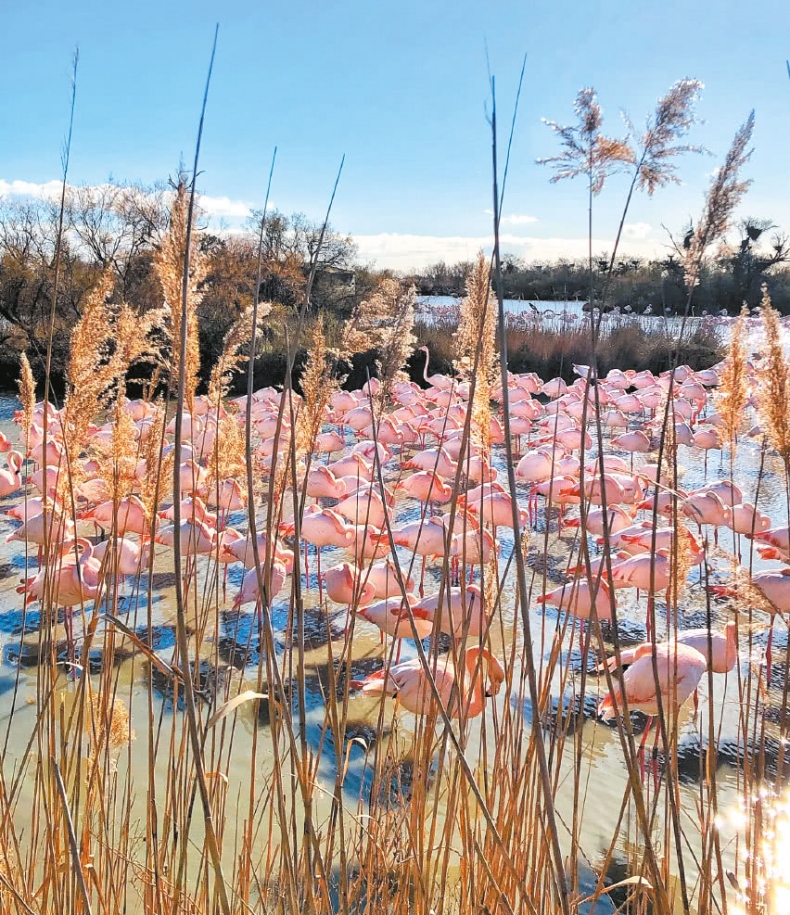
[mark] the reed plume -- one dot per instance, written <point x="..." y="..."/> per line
<point x="658" y="144"/>
<point x="733" y="391"/>
<point x="477" y="330"/>
<point x="89" y="372"/>
<point x="585" y="150"/>
<point x="169" y="267"/>
<point x="157" y="478"/>
<point x="774" y="383"/>
<point x="232" y="356"/>
<point x="724" y="195"/>
<point x="318" y="384"/>
<point x="27" y="393"/>
<point x="384" y="322"/>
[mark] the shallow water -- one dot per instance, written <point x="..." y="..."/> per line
<point x="230" y="654"/>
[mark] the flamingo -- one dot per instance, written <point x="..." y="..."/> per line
<point x="576" y="598"/>
<point x="679" y="667"/>
<point x="392" y="616"/>
<point x="719" y="648"/>
<point x="442" y="382"/>
<point x="11" y="479"/>
<point x="345" y="585"/>
<point x="250" y="591"/>
<point x="408" y="683"/>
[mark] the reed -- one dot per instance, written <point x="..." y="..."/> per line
<point x="188" y="749"/>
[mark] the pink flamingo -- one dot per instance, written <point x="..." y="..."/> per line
<point x="392" y="617"/>
<point x="460" y="610"/>
<point x="442" y="382"/>
<point x="11" y="479"/>
<point x="719" y="648"/>
<point x="408" y="684"/>
<point x="345" y="585"/>
<point x="679" y="667"/>
<point x="426" y="486"/>
<point x="249" y="590"/>
<point x="576" y="598"/>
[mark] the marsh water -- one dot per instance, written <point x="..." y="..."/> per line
<point x="231" y="653"/>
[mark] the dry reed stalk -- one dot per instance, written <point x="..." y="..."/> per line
<point x="733" y="390"/>
<point x="181" y="277"/>
<point x="725" y="193"/>
<point x="477" y="332"/>
<point x="318" y="384"/>
<point x="773" y="403"/>
<point x="27" y="393"/>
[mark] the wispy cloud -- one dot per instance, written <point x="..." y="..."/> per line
<point x="224" y="207"/>
<point x="513" y="219"/>
<point x="213" y="207"/>
<point x="29" y="189"/>
<point x="637" y="229"/>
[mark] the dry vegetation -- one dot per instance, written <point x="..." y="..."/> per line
<point x="209" y="751"/>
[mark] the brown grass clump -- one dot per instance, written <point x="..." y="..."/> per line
<point x="733" y="392"/>
<point x="477" y="330"/>
<point x="384" y="322"/>
<point x="107" y="724"/>
<point x="169" y="266"/>
<point x="774" y="383"/>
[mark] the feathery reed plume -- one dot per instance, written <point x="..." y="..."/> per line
<point x="384" y="322"/>
<point x="157" y="478"/>
<point x="774" y="383"/>
<point x="586" y="151"/>
<point x="672" y="120"/>
<point x="89" y="373"/>
<point x="733" y="391"/>
<point x="318" y="385"/>
<point x="27" y="393"/>
<point x="169" y="266"/>
<point x="724" y="195"/>
<point x="227" y="459"/>
<point x="477" y="329"/>
<point x="232" y="358"/>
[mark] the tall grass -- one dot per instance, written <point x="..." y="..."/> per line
<point x="182" y="754"/>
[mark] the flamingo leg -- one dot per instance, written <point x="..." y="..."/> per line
<point x="641" y="751"/>
<point x="318" y="564"/>
<point x="769" y="652"/>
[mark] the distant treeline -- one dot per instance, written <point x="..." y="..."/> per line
<point x="734" y="277"/>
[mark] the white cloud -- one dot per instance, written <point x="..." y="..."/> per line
<point x="224" y="207"/>
<point x="29" y="188"/>
<point x="220" y="207"/>
<point x="518" y="219"/>
<point x="637" y="229"/>
<point x="403" y="252"/>
<point x="514" y="219"/>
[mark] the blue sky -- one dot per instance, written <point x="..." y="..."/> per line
<point x="401" y="89"/>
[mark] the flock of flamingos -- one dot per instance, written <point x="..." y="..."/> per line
<point x="371" y="503"/>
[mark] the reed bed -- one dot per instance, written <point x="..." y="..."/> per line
<point x="201" y="714"/>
